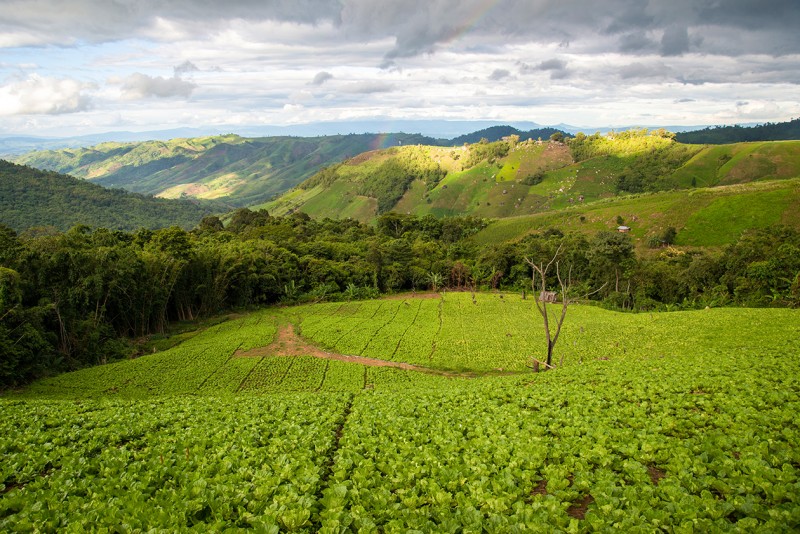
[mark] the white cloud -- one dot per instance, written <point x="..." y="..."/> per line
<point x="556" y="61"/>
<point x="185" y="67"/>
<point x="368" y="87"/>
<point x="138" y="86"/>
<point x="499" y="74"/>
<point x="321" y="77"/>
<point x="44" y="96"/>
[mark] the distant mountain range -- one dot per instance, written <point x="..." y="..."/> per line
<point x="241" y="171"/>
<point x="11" y="145"/>
<point x="709" y="193"/>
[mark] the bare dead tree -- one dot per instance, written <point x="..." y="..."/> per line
<point x="546" y="297"/>
<point x="549" y="297"/>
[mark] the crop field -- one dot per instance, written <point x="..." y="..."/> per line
<point x="418" y="414"/>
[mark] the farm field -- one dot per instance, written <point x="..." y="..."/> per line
<point x="418" y="414"/>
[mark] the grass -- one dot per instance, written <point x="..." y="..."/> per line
<point x="496" y="190"/>
<point x="725" y="218"/>
<point x="706" y="217"/>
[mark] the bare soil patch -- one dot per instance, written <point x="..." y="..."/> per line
<point x="288" y="343"/>
<point x="404" y="296"/>
<point x="656" y="474"/>
<point x="579" y="507"/>
<point x="540" y="489"/>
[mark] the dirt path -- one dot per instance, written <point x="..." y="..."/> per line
<point x="288" y="343"/>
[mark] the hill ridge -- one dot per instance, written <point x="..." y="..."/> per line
<point x="33" y="198"/>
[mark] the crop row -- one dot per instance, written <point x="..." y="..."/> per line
<point x="693" y="442"/>
<point x="176" y="464"/>
<point x="684" y="444"/>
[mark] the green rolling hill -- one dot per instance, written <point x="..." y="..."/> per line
<point x="30" y="198"/>
<point x="703" y="217"/>
<point x="592" y="179"/>
<point x="240" y="171"/>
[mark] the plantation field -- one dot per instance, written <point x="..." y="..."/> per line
<point x="418" y="414"/>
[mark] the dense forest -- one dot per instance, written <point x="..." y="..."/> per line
<point x="82" y="297"/>
<point x="719" y="135"/>
<point x="33" y="198"/>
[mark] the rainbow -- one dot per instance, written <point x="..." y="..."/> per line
<point x="479" y="12"/>
<point x="383" y="140"/>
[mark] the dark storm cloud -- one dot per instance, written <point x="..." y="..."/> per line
<point x="420" y="26"/>
<point x="637" y="42"/>
<point x="675" y="41"/>
<point x="68" y="21"/>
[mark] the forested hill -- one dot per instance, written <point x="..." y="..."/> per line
<point x="30" y="198"/>
<point x="241" y="171"/>
<point x="496" y="133"/>
<point x="782" y="131"/>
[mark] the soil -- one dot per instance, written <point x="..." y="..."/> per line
<point x="579" y="507"/>
<point x="288" y="343"/>
<point x="656" y="474"/>
<point x="404" y="296"/>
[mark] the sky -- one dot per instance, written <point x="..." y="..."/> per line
<point x="72" y="67"/>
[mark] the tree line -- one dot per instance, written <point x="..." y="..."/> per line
<point x="82" y="297"/>
<point x="718" y="135"/>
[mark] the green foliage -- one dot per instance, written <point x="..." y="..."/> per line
<point x="655" y="421"/>
<point x="497" y="133"/>
<point x="534" y="178"/>
<point x="238" y="170"/>
<point x="738" y="134"/>
<point x="389" y="182"/>
<point x="487" y="151"/>
<point x="324" y="177"/>
<point x="652" y="171"/>
<point x="31" y="198"/>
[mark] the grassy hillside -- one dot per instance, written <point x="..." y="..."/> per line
<point x="240" y="171"/>
<point x="656" y="421"/>
<point x="703" y="217"/>
<point x="501" y="179"/>
<point x="29" y="198"/>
